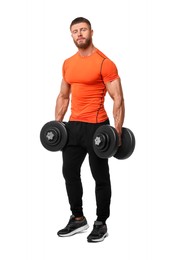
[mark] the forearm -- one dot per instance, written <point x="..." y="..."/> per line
<point x="115" y="91"/>
<point x="61" y="107"/>
<point x="119" y="114"/>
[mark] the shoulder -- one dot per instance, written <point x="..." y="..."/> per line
<point x="109" y="69"/>
<point x="70" y="59"/>
<point x="101" y="54"/>
<point x="106" y="60"/>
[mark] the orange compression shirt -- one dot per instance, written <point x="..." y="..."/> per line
<point x="87" y="77"/>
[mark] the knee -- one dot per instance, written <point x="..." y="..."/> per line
<point x="70" y="174"/>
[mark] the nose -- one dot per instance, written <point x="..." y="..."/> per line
<point x="79" y="33"/>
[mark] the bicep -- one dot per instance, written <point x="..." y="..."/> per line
<point x="65" y="89"/>
<point x="114" y="89"/>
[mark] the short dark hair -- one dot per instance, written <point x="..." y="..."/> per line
<point x="80" y="20"/>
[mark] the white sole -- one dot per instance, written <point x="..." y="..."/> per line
<point x="100" y="239"/>
<point x="78" y="230"/>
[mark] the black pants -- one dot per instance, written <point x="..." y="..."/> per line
<point x="79" y="144"/>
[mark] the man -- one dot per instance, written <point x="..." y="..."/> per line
<point x="87" y="76"/>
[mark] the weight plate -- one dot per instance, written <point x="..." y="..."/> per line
<point x="53" y="136"/>
<point x="105" y="141"/>
<point x="128" y="144"/>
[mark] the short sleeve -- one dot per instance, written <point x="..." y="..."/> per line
<point x="109" y="71"/>
<point x="63" y="70"/>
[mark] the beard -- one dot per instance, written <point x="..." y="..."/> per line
<point x="84" y="45"/>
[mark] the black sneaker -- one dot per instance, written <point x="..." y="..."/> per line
<point x="99" y="232"/>
<point x="73" y="227"/>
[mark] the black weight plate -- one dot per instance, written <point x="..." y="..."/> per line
<point x="105" y="141"/>
<point x="53" y="136"/>
<point x="128" y="144"/>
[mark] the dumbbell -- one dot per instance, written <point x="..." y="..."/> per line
<point x="53" y="136"/>
<point x="106" y="143"/>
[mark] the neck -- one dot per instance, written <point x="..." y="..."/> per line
<point x="88" y="51"/>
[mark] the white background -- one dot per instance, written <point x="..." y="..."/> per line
<point x="34" y="41"/>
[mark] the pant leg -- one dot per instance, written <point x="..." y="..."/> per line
<point x="100" y="172"/>
<point x="73" y="156"/>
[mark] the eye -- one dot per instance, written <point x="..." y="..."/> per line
<point x="74" y="32"/>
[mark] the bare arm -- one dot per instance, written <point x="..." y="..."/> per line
<point x="62" y="101"/>
<point x="114" y="89"/>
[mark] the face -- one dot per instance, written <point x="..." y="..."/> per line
<point x="82" y="35"/>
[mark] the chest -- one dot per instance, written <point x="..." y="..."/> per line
<point x="84" y="71"/>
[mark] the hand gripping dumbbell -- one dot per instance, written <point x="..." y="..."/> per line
<point x="106" y="143"/>
<point x="53" y="136"/>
